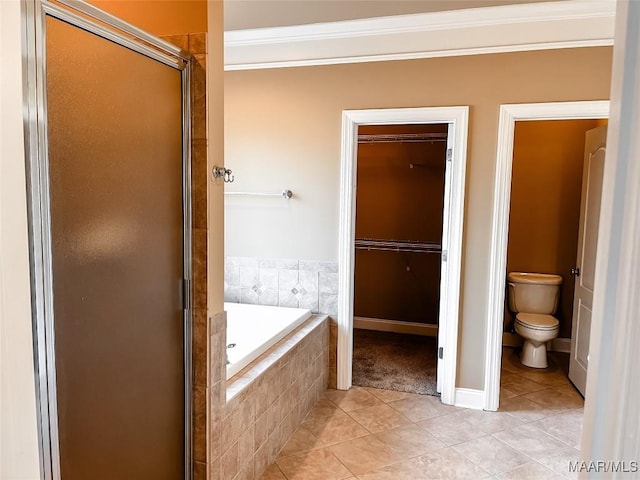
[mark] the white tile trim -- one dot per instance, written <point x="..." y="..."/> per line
<point x="507" y="28"/>
<point x="469" y="398"/>
<point x="509" y="114"/>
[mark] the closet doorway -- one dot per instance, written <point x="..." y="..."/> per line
<point x="402" y="192"/>
<point x="398" y="255"/>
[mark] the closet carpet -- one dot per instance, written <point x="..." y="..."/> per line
<point x="394" y="361"/>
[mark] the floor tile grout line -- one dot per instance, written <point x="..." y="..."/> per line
<point x="444" y="446"/>
<point x="492" y="475"/>
<point x="563" y="409"/>
<point x="378" y="431"/>
<point x="342" y="463"/>
<point x="531" y="460"/>
<point x="301" y="424"/>
<point x="280" y="470"/>
<point x="534" y="459"/>
<point x="513" y="448"/>
<point x="518" y="378"/>
<point x="325" y="416"/>
<point x="553" y="436"/>
<point x="299" y="451"/>
<point x="328" y="445"/>
<point x="399" y="462"/>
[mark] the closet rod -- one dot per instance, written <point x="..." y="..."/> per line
<point x="402" y="138"/>
<point x="397" y="245"/>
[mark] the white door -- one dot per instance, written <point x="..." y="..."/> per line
<point x="446" y="219"/>
<point x="595" y="148"/>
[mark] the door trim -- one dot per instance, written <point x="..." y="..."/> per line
<point x="457" y="118"/>
<point x="33" y="14"/>
<point x="509" y="115"/>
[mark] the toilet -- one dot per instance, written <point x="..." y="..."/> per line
<point x="533" y="297"/>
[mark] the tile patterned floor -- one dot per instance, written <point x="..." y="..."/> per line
<point x="372" y="434"/>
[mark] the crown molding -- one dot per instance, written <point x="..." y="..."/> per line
<point x="509" y="28"/>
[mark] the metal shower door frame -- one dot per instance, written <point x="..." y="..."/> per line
<point x="93" y="20"/>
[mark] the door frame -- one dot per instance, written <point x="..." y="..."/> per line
<point x="509" y="115"/>
<point x="105" y="25"/>
<point x="457" y="118"/>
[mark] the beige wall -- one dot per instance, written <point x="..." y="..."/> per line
<point x="546" y="187"/>
<point x="168" y="17"/>
<point x="18" y="431"/>
<point x="283" y="127"/>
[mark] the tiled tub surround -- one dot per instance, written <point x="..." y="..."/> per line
<point x="282" y="283"/>
<point x="257" y="410"/>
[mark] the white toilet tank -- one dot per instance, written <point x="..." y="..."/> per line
<point x="534" y="292"/>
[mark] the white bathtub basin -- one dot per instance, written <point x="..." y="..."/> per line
<point x="253" y="329"/>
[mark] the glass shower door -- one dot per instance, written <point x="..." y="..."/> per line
<point x="115" y="134"/>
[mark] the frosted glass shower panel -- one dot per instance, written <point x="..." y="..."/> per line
<point x="115" y="165"/>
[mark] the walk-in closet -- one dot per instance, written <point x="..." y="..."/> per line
<point x="398" y="256"/>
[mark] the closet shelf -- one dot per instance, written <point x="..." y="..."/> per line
<point x="402" y="138"/>
<point x="397" y="245"/>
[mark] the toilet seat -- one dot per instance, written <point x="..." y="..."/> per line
<point x="536" y="321"/>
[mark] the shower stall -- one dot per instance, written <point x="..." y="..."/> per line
<point x="108" y="132"/>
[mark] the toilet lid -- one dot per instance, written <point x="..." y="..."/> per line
<point x="537" y="321"/>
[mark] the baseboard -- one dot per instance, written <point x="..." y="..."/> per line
<point x="469" y="398"/>
<point x="560" y="345"/>
<point x="385" y="325"/>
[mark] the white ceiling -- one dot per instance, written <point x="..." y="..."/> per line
<point x="246" y="14"/>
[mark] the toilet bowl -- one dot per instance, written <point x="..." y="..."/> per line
<point x="533" y="297"/>
<point x="536" y="330"/>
